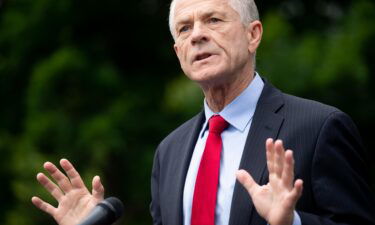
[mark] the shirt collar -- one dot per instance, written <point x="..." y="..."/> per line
<point x="240" y="111"/>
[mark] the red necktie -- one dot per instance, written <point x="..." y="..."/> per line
<point x="205" y="192"/>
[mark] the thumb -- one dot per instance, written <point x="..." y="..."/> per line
<point x="97" y="188"/>
<point x="247" y="181"/>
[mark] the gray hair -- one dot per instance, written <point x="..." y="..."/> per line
<point x="247" y="10"/>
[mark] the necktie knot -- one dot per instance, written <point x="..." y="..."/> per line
<point x="217" y="124"/>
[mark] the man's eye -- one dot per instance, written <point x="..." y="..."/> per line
<point x="184" y="29"/>
<point x="214" y="20"/>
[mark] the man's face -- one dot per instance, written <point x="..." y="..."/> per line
<point x="211" y="42"/>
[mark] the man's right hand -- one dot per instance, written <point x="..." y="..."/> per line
<point x="74" y="200"/>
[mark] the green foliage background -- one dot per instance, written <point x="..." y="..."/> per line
<point x="97" y="82"/>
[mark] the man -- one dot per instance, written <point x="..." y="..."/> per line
<point x="195" y="167"/>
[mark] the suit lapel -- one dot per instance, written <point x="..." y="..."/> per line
<point x="188" y="145"/>
<point x="265" y="124"/>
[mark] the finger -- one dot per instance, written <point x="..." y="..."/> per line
<point x="288" y="171"/>
<point x="51" y="187"/>
<point x="270" y="155"/>
<point x="44" y="206"/>
<point x="72" y="173"/>
<point x="278" y="158"/>
<point x="58" y="176"/>
<point x="296" y="193"/>
<point x="97" y="188"/>
<point x="247" y="181"/>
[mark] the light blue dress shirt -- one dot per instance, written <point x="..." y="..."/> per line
<point x="239" y="114"/>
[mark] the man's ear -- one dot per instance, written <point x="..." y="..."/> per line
<point x="254" y="35"/>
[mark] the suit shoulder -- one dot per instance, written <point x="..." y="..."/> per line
<point x="184" y="130"/>
<point x="304" y="114"/>
<point x="308" y="107"/>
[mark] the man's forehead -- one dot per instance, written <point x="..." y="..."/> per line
<point x="184" y="8"/>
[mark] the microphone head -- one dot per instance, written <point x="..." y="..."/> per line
<point x="115" y="206"/>
<point x="104" y="213"/>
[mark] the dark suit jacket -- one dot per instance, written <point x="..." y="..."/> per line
<point x="328" y="158"/>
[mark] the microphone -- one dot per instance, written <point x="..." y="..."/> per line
<point x="105" y="213"/>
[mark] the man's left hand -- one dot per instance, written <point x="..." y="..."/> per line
<point x="275" y="201"/>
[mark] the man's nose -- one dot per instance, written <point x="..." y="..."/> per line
<point x="199" y="34"/>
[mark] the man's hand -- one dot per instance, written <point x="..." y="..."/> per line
<point x="275" y="201"/>
<point x="75" y="201"/>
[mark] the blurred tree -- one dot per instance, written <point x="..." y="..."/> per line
<point x="331" y="65"/>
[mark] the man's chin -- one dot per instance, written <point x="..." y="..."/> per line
<point x="206" y="76"/>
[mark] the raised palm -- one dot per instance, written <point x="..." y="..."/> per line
<point x="74" y="199"/>
<point x="275" y="201"/>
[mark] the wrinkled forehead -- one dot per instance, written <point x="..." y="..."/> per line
<point x="186" y="8"/>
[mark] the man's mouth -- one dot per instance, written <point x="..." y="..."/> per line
<point x="202" y="56"/>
